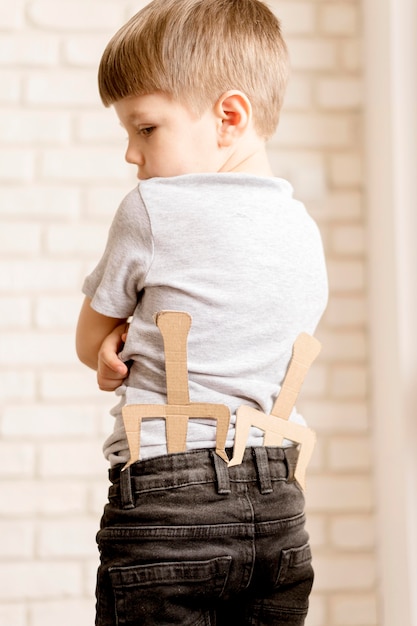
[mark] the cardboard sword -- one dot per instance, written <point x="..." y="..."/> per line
<point x="174" y="327"/>
<point x="276" y="425"/>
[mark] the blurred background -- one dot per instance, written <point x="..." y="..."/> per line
<point x="347" y="142"/>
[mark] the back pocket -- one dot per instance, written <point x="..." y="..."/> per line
<point x="295" y="565"/>
<point x="168" y="593"/>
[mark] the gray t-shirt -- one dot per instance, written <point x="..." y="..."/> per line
<point x="239" y="254"/>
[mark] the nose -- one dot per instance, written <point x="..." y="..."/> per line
<point x="133" y="155"/>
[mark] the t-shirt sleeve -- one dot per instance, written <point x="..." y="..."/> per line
<point x="115" y="284"/>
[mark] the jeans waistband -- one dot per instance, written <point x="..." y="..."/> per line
<point x="263" y="465"/>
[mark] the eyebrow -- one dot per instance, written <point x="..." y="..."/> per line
<point x="136" y="118"/>
<point x="139" y="115"/>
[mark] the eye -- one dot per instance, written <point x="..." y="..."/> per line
<point x="146" y="131"/>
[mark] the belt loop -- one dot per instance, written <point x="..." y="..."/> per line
<point x="126" y="497"/>
<point x="262" y="468"/>
<point x="291" y="458"/>
<point x="222" y="474"/>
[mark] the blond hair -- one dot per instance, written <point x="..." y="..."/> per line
<point x="196" y="50"/>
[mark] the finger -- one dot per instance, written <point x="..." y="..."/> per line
<point x="110" y="381"/>
<point x="107" y="386"/>
<point x="110" y="360"/>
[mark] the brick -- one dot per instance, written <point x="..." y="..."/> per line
<point x="64" y="497"/>
<point x="310" y="184"/>
<point x="325" y="231"/>
<point x="20" y="239"/>
<point x="97" y="497"/>
<point x="299" y="94"/>
<point x="67" y="538"/>
<point x="82" y="459"/>
<point x="84" y="50"/>
<point x="318" y="460"/>
<point x="354" y="610"/>
<point x="316" y="381"/>
<point x="339" y="18"/>
<point x="297" y="18"/>
<point x="351" y="54"/>
<point x="340" y="493"/>
<point x="73" y="240"/>
<point x="133" y="7"/>
<point x="317" y="529"/>
<point x="17" y="539"/>
<point x="13" y="614"/>
<point x="348" y="240"/>
<point x="346" y="276"/>
<point x="39" y="275"/>
<point x="57" y="312"/>
<point x="344" y="573"/>
<point x="317" y="610"/>
<point x="346" y="312"/>
<point x="17" y="383"/>
<point x="288" y="160"/>
<point x="30" y="498"/>
<point x="17" y="459"/>
<point x="65" y="613"/>
<point x="15" y="312"/>
<point x="103" y="201"/>
<point x="353" y="532"/>
<point x="90" y="576"/>
<point x="316" y="130"/>
<point x="100" y="127"/>
<point x="17" y="165"/>
<point x="346" y="170"/>
<point x="337" y="205"/>
<point x="350" y="454"/>
<point x="29" y="50"/>
<point x="10" y="87"/>
<point x="336" y="417"/>
<point x="37" y="349"/>
<point x="84" y="165"/>
<point x="34" y="580"/>
<point x="305" y="170"/>
<point x="88" y="267"/>
<point x="11" y="15"/>
<point x="312" y="54"/>
<point x="40" y="202"/>
<point x="76" y="15"/>
<point x="107" y="420"/>
<point x="349" y="381"/>
<point x="64" y="87"/>
<point x="70" y="385"/>
<point x="345" y="346"/>
<point x="28" y="127"/>
<point x="39" y="420"/>
<point x="340" y="93"/>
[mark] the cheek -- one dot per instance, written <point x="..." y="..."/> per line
<point x="205" y="150"/>
<point x="171" y="160"/>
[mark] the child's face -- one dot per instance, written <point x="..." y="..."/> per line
<point x="166" y="138"/>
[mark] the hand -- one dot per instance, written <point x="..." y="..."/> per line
<point x="111" y="371"/>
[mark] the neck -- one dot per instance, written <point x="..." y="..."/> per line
<point x="254" y="162"/>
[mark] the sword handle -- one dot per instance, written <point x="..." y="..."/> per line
<point x="174" y="327"/>
<point x="306" y="349"/>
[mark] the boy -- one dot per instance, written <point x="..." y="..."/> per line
<point x="198" y="86"/>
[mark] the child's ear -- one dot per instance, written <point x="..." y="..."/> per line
<point x="234" y="112"/>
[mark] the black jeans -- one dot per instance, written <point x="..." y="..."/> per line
<point x="186" y="541"/>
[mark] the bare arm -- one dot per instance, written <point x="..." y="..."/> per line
<point x="92" y="329"/>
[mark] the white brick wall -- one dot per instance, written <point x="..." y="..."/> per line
<point x="61" y="177"/>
